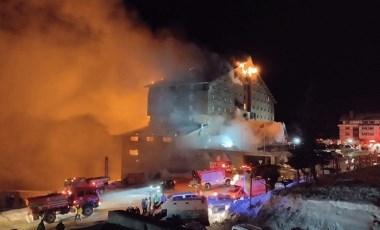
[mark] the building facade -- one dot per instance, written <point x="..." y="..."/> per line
<point x="359" y="128"/>
<point x="171" y="102"/>
<point x="181" y="135"/>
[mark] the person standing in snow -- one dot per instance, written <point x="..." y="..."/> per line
<point x="144" y="205"/>
<point x="149" y="207"/>
<point x="60" y="226"/>
<point x="156" y="200"/>
<point x="78" y="213"/>
<point x="163" y="198"/>
<point x="41" y="225"/>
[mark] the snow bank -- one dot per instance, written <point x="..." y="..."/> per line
<point x="283" y="209"/>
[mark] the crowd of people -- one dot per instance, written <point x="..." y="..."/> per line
<point x="60" y="225"/>
<point x="149" y="204"/>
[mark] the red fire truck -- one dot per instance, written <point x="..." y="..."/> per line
<point x="99" y="182"/>
<point x="50" y="205"/>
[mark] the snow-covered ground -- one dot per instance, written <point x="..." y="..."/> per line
<point x="347" y="201"/>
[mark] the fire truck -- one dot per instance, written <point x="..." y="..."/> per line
<point x="211" y="178"/>
<point x="50" y="205"/>
<point x="99" y="182"/>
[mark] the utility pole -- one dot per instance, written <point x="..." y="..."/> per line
<point x="106" y="166"/>
<point x="250" y="189"/>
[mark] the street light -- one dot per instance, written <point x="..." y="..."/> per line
<point x="296" y="140"/>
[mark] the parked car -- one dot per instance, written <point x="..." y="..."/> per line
<point x="168" y="184"/>
<point x="160" y="186"/>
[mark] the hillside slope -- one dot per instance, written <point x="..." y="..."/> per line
<point x="349" y="200"/>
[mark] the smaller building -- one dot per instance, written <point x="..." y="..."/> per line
<point x="359" y="128"/>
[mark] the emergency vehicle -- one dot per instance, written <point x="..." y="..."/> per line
<point x="211" y="178"/>
<point x="50" y="205"/>
<point x="99" y="182"/>
<point x="187" y="207"/>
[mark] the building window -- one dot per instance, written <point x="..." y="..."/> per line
<point x="190" y="108"/>
<point x="167" y="139"/>
<point x="219" y="109"/>
<point x="134" y="152"/>
<point x="347" y="128"/>
<point x="149" y="139"/>
<point x="212" y="108"/>
<point x="134" y="138"/>
<point x="191" y="97"/>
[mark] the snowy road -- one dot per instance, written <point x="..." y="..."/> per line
<point x="112" y="200"/>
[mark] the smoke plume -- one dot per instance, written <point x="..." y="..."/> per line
<point x="72" y="75"/>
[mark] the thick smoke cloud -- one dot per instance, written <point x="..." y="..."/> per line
<point x="72" y="75"/>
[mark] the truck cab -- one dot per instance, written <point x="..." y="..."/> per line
<point x="86" y="197"/>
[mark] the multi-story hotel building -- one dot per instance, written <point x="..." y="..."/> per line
<point x="182" y="113"/>
<point x="359" y="128"/>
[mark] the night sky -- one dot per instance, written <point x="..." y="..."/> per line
<point x="319" y="58"/>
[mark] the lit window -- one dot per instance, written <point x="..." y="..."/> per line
<point x="167" y="139"/>
<point x="149" y="139"/>
<point x="134" y="152"/>
<point x="134" y="138"/>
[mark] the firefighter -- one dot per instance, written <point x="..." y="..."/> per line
<point x="78" y="213"/>
<point x="41" y="225"/>
<point x="60" y="226"/>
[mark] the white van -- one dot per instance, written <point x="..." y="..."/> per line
<point x="245" y="227"/>
<point x="184" y="195"/>
<point x="185" y="206"/>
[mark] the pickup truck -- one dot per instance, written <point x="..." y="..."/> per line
<point x="219" y="203"/>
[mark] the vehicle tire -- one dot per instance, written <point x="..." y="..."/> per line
<point x="87" y="210"/>
<point x="215" y="209"/>
<point x="49" y="217"/>
<point x="207" y="186"/>
<point x="228" y="182"/>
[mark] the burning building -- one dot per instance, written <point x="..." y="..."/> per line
<point x="192" y="121"/>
